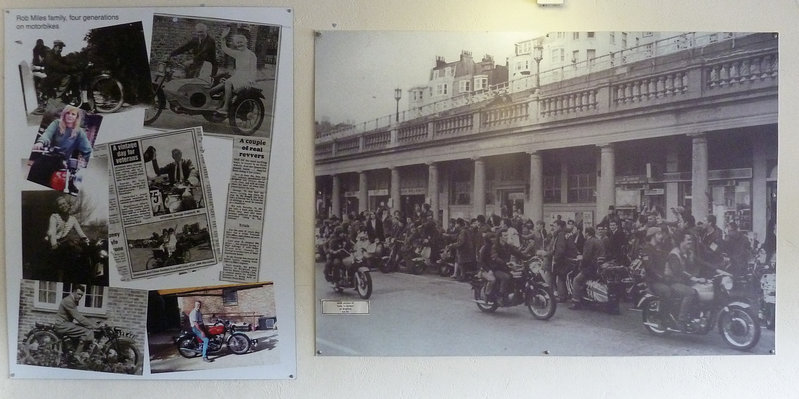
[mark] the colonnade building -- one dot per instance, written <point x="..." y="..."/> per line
<point x="695" y="128"/>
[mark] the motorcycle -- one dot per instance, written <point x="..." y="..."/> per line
<point x="635" y="285"/>
<point x="181" y="255"/>
<point x="168" y="198"/>
<point x="192" y="96"/>
<point x="606" y="288"/>
<point x="402" y="256"/>
<point x="714" y="308"/>
<point x="766" y="275"/>
<point x="115" y="350"/>
<point x="103" y="92"/>
<point x="50" y="168"/>
<point x="351" y="272"/>
<point x="222" y="333"/>
<point x="527" y="286"/>
<point x="446" y="262"/>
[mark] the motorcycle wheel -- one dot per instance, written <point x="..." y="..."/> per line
<point x="122" y="356"/>
<point x="106" y="95"/>
<point x="363" y="284"/>
<point x="480" y="296"/>
<point x="651" y="315"/>
<point x="541" y="303"/>
<point x="187" y="347"/>
<point x="238" y="344"/>
<point x="42" y="348"/>
<point x="739" y="329"/>
<point x="246" y="115"/>
<point x="152" y="263"/>
<point x="152" y="113"/>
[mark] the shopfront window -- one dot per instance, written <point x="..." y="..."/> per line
<point x="732" y="202"/>
<point x="461" y="188"/>
<point x="552" y="189"/>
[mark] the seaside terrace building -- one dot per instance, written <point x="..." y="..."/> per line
<point x="686" y="120"/>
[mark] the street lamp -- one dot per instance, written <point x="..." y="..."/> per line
<point x="397" y="96"/>
<point x="538" y="55"/>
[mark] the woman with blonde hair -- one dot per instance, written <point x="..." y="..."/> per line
<point x="67" y="134"/>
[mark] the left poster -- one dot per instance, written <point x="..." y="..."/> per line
<point x="130" y="135"/>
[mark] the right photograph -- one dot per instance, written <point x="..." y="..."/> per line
<point x="534" y="193"/>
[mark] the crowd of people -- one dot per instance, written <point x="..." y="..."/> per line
<point x="673" y="250"/>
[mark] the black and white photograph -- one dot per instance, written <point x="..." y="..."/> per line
<point x="101" y="70"/>
<point x="173" y="175"/>
<point x="167" y="243"/>
<point x="81" y="327"/>
<point x="64" y="237"/>
<point x="562" y="193"/>
<point x="213" y="327"/>
<point x="63" y="148"/>
<point x="216" y="73"/>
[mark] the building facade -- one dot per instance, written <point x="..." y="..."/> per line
<point x="694" y="127"/>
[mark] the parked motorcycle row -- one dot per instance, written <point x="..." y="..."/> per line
<point x="735" y="308"/>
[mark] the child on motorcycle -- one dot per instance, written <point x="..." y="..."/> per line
<point x="244" y="73"/>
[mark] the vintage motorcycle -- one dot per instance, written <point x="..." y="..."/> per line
<point x="115" y="350"/>
<point x="714" y="307"/>
<point x="192" y="96"/>
<point x="606" y="288"/>
<point x="96" y="88"/>
<point x="527" y="286"/>
<point x="402" y="256"/>
<point x="168" y="198"/>
<point x="351" y="272"/>
<point x="222" y="333"/>
<point x="50" y="168"/>
<point x="181" y="255"/>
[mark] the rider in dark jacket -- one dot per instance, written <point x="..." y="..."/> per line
<point x="501" y="252"/>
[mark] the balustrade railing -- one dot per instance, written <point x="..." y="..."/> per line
<point x="580" y="101"/>
<point x="454" y="126"/>
<point x="347" y="146"/>
<point x="738" y="71"/>
<point x="412" y="134"/>
<point x="650" y="88"/>
<point x="376" y="140"/>
<point x="505" y="115"/>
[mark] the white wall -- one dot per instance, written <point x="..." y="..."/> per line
<point x="515" y="377"/>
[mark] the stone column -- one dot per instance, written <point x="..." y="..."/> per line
<point x="432" y="188"/>
<point x="335" y="199"/>
<point x="363" y="192"/>
<point x="759" y="187"/>
<point x="699" y="182"/>
<point x="479" y="194"/>
<point x="536" y="193"/>
<point x="606" y="190"/>
<point x="395" y="189"/>
<point x="672" y="188"/>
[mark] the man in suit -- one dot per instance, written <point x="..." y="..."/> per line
<point x="180" y="171"/>
<point x="202" y="48"/>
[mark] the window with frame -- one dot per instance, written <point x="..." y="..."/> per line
<point x="48" y="295"/>
<point x="465" y="86"/>
<point x="581" y="184"/>
<point x="480" y="82"/>
<point x="612" y="37"/>
<point x="575" y="35"/>
<point x="551" y="188"/>
<point x="575" y="55"/>
<point x="590" y="54"/>
<point x="561" y="35"/>
<point x="230" y="297"/>
<point x="624" y="40"/>
<point x="461" y="188"/>
<point x="590" y="35"/>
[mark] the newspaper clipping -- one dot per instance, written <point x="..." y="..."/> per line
<point x="161" y="217"/>
<point x="244" y="221"/>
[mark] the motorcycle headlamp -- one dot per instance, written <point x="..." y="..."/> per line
<point x="726" y="283"/>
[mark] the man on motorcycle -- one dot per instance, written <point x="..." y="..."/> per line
<point x="67" y="316"/>
<point x="464" y="250"/>
<point x="58" y="70"/>
<point x="592" y="249"/>
<point x="336" y="247"/>
<point x="179" y="171"/>
<point x="678" y="262"/>
<point x="563" y="250"/>
<point x="198" y="327"/>
<point x="616" y="242"/>
<point x="202" y="49"/>
<point x="654" y="263"/>
<point x="501" y="252"/>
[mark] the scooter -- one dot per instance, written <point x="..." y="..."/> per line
<point x="192" y="96"/>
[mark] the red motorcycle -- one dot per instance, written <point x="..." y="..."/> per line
<point x="222" y="333"/>
<point x="50" y="168"/>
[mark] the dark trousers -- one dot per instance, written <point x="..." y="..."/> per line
<point x="688" y="296"/>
